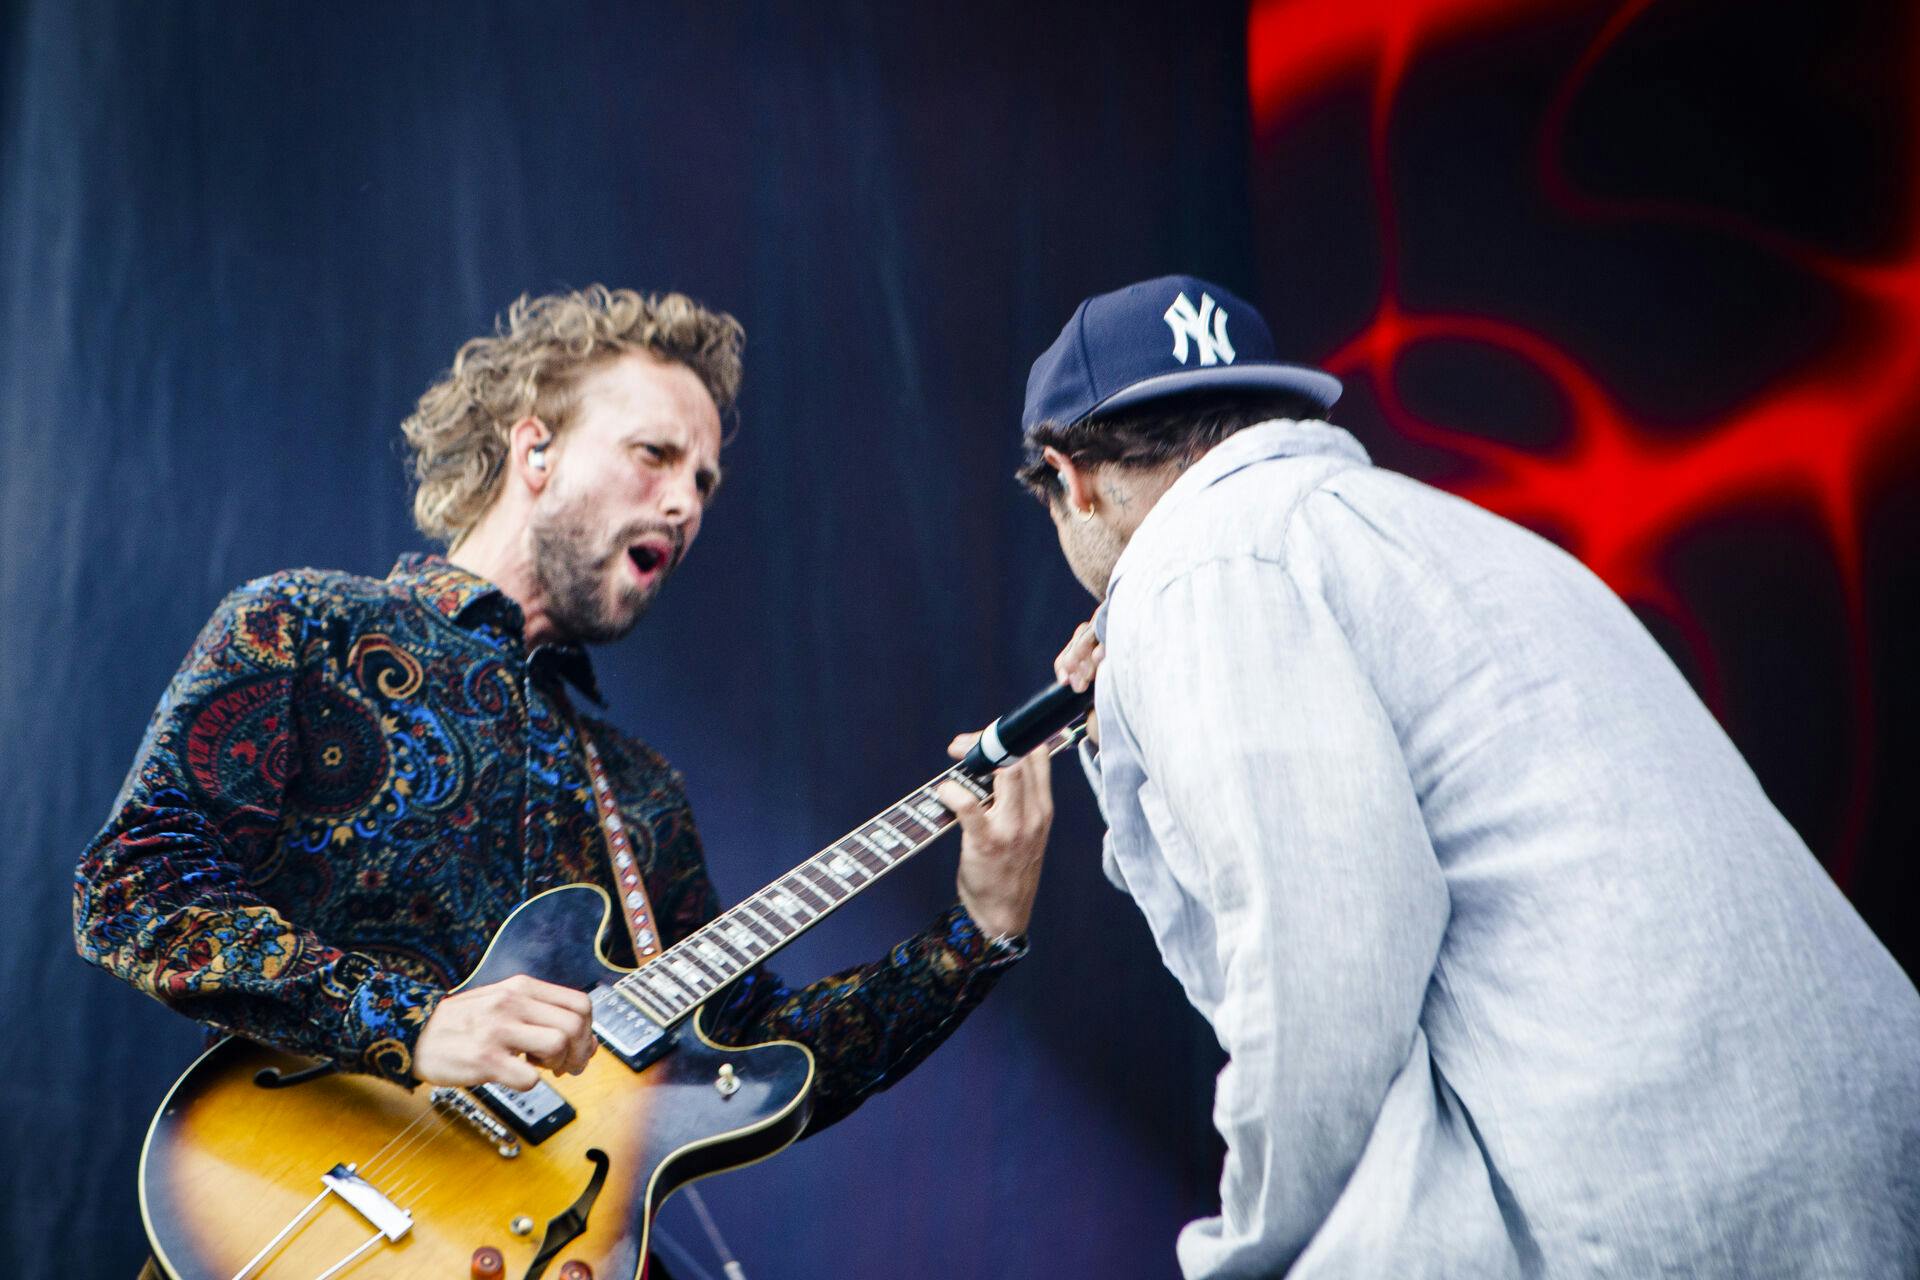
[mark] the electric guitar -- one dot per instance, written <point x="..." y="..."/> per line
<point x="263" y="1164"/>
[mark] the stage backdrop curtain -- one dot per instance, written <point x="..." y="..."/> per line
<point x="237" y="241"/>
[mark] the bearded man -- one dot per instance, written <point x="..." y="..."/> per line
<point x="1518" y="971"/>
<point x="352" y="781"/>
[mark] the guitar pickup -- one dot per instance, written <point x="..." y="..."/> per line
<point x="631" y="1035"/>
<point x="535" y="1114"/>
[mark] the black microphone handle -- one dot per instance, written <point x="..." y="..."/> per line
<point x="1026" y="727"/>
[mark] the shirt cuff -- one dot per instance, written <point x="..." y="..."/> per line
<point x="1090" y="765"/>
<point x="974" y="947"/>
<point x="384" y="1016"/>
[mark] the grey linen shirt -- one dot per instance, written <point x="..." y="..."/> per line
<point x="1518" y="971"/>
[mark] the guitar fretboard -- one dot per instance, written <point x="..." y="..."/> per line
<point x="685" y="975"/>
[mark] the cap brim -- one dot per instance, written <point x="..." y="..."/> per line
<point x="1321" y="388"/>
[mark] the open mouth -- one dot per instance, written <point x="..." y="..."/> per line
<point x="650" y="558"/>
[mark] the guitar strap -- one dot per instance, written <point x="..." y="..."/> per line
<point x="634" y="907"/>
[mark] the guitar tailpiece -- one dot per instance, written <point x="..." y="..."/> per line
<point x="464" y="1105"/>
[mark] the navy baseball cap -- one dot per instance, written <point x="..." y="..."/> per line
<point x="1158" y="338"/>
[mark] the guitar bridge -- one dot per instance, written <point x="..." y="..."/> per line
<point x="389" y="1221"/>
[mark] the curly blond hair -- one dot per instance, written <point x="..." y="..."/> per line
<point x="532" y="365"/>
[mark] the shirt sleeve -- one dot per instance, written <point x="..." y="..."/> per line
<point x="867" y="1026"/>
<point x="1283" y="799"/>
<point x="163" y="897"/>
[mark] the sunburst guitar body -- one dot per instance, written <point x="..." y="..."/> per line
<point x="261" y="1164"/>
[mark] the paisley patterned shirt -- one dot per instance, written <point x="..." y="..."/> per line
<point x="349" y="785"/>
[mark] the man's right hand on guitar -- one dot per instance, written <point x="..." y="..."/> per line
<point x="500" y="1032"/>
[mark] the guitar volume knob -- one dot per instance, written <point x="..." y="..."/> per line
<point x="488" y="1264"/>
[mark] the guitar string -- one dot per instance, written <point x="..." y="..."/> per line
<point x="1055" y="743"/>
<point x="430" y="1124"/>
<point x="421" y="1142"/>
<point x="373" y="1162"/>
<point x="413" y="1188"/>
<point x="412" y="1142"/>
<point x="736" y="958"/>
<point x="366" y="1167"/>
<point x="438" y="1125"/>
<point x="428" y="1117"/>
<point x="924" y="791"/>
<point x="419" y="1189"/>
<point x="402" y="1178"/>
<point x="416" y="1146"/>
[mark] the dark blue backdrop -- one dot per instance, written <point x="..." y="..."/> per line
<point x="237" y="241"/>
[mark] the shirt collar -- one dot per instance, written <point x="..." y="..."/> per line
<point x="1279" y="438"/>
<point x="473" y="603"/>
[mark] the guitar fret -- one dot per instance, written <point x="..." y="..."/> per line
<point x="795" y="902"/>
<point x="666" y="994"/>
<point x="669" y="985"/>
<point x="710" y="949"/>
<point x="650" y="1008"/>
<point x="737" y="962"/>
<point x="763" y="920"/>
<point x="687" y="974"/>
<point x="838" y="882"/>
<point x="905" y="822"/>
<point x="687" y="956"/>
<point x="897" y="833"/>
<point x="763" y="924"/>
<point x="845" y="870"/>
<point x="777" y="910"/>
<point x="816" y="877"/>
<point x="706" y="969"/>
<point x="807" y="885"/>
<point x="867" y="843"/>
<point x="667" y="973"/>
<point x="653" y="979"/>
<point x="741" y="935"/>
<point x="659" y="1010"/>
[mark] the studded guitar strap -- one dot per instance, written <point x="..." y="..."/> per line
<point x="634" y="907"/>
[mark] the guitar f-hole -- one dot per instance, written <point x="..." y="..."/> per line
<point x="567" y="1226"/>
<point x="274" y="1078"/>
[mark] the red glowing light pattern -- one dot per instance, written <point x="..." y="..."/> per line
<point x="1618" y="491"/>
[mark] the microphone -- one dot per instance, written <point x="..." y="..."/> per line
<point x="1026" y="727"/>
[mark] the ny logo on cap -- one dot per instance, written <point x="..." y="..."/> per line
<point x="1206" y="328"/>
